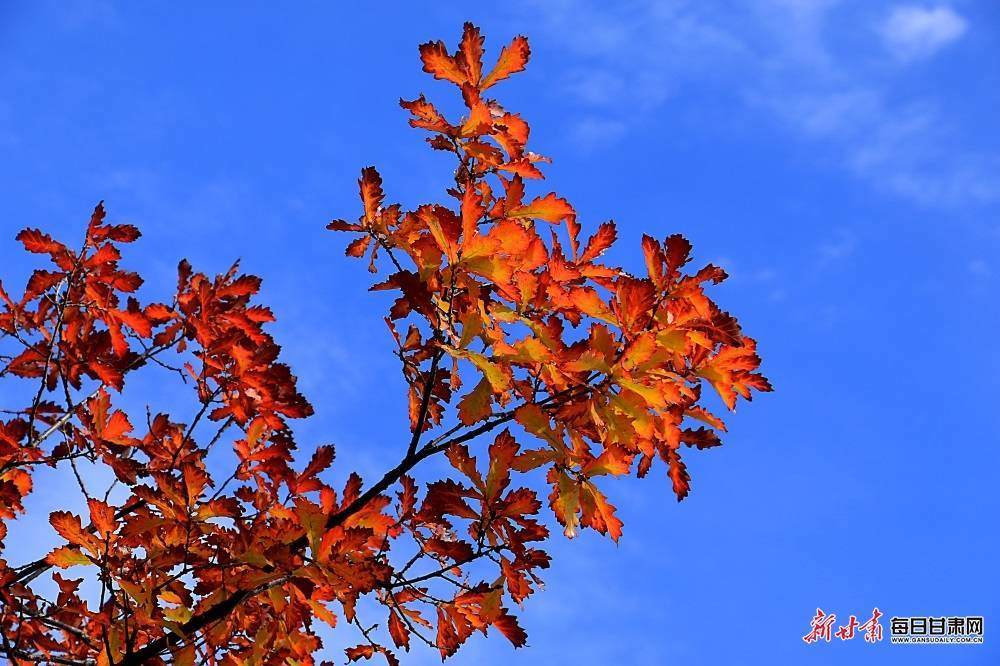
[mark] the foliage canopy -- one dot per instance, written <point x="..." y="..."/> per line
<point x="505" y="317"/>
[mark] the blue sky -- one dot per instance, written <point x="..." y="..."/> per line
<point x="840" y="159"/>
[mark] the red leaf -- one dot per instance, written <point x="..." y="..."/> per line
<point x="678" y="251"/>
<point x="116" y="428"/>
<point x="39" y="243"/>
<point x="360" y="652"/>
<point x="398" y="631"/>
<point x="321" y="459"/>
<point x="678" y="474"/>
<point x="135" y="320"/>
<point x="475" y="405"/>
<point x="508" y="626"/>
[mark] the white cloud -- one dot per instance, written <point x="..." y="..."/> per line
<point x="593" y="132"/>
<point x="806" y="65"/>
<point x="838" y="248"/>
<point x="912" y="33"/>
<point x="980" y="268"/>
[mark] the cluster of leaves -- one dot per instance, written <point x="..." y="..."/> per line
<point x="505" y="319"/>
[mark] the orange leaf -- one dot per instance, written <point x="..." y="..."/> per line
<point x="655" y="259"/>
<point x="470" y="55"/>
<point x="549" y="208"/>
<point x="602" y="516"/>
<point x="102" y="516"/>
<point x="677" y="253"/>
<point x="425" y="115"/>
<point x="358" y="247"/>
<point x="440" y="64"/>
<point x="502" y="452"/>
<point x="614" y="460"/>
<point x="322" y="612"/>
<point x="513" y="58"/>
<point x="599" y="242"/>
<point x="69" y="527"/>
<point x="370" y="185"/>
<point x="475" y="405"/>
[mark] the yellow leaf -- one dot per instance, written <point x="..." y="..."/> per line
<point x="171" y="598"/>
<point x="472" y="325"/>
<point x="534" y="459"/>
<point x="673" y="340"/>
<point x="497" y="378"/>
<point x="550" y="208"/>
<point x="651" y="395"/>
<point x="65" y="557"/>
<point x="567" y="503"/>
<point x="536" y="422"/>
<point x="179" y="614"/>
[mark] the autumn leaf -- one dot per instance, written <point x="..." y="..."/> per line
<point x="65" y="557"/>
<point x="358" y="247"/>
<point x="438" y="62"/>
<point x="549" y="208"/>
<point x="502" y="453"/>
<point x="599" y="513"/>
<point x="370" y="185"/>
<point x="102" y="516"/>
<point x="321" y="459"/>
<point x="220" y="547"/>
<point x="69" y="527"/>
<point x="566" y="502"/>
<point x="475" y="405"/>
<point x="653" y="254"/>
<point x="398" y="632"/>
<point x="613" y="460"/>
<point x="513" y="59"/>
<point x="360" y="652"/>
<point x="34" y="240"/>
<point x="322" y="612"/>
<point x="599" y="242"/>
<point x="508" y="626"/>
<point x="678" y="474"/>
<point x="494" y="373"/>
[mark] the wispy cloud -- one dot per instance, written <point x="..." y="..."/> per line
<point x="836" y="249"/>
<point x="814" y="67"/>
<point x="911" y="33"/>
<point x="981" y="269"/>
<point x="593" y="131"/>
